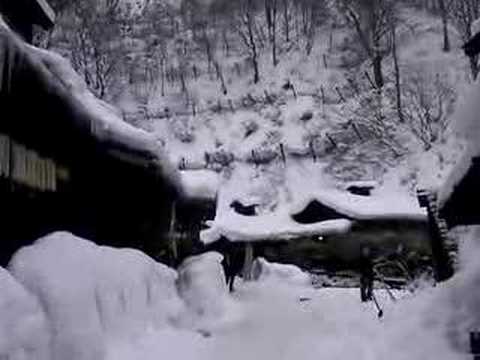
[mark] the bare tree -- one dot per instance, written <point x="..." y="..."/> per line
<point x="444" y="7"/>
<point x="396" y="66"/>
<point x="429" y="100"/>
<point x="371" y="21"/>
<point x="90" y="35"/>
<point x="246" y="30"/>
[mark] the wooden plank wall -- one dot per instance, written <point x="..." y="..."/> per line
<point x="26" y="167"/>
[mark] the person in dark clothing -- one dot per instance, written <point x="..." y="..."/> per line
<point x="233" y="257"/>
<point x="367" y="275"/>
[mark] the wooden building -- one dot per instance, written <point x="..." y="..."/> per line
<point x="69" y="162"/>
<point x="22" y="15"/>
<point x="456" y="202"/>
<point x="461" y="205"/>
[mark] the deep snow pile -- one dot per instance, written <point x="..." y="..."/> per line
<point x="264" y="270"/>
<point x="24" y="332"/>
<point x="101" y="303"/>
<point x="201" y="283"/>
<point x="92" y="295"/>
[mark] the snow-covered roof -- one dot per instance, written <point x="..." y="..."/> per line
<point x="466" y="123"/>
<point x="301" y="186"/>
<point x="200" y="184"/>
<point x="456" y="175"/>
<point x="361" y="207"/>
<point x="476" y="27"/>
<point x="280" y="225"/>
<point x="270" y="227"/>
<point x="105" y="124"/>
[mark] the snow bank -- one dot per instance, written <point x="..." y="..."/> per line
<point x="24" y="332"/>
<point x="200" y="184"/>
<point x="291" y="274"/>
<point x="93" y="295"/>
<point x="201" y="284"/>
<point x="461" y="294"/>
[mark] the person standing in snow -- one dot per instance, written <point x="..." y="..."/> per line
<point x="367" y="274"/>
<point x="232" y="263"/>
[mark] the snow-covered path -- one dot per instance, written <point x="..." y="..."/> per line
<point x="269" y="322"/>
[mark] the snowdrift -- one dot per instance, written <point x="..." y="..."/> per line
<point x="24" y="332"/>
<point x="201" y="284"/>
<point x="290" y="274"/>
<point x="92" y="295"/>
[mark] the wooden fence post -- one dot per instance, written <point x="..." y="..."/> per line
<point x="248" y="263"/>
<point x="254" y="158"/>
<point x="312" y="151"/>
<point x="207" y="159"/>
<point x="172" y="235"/>
<point x="342" y="99"/>
<point x="282" y="153"/>
<point x="475" y="344"/>
<point x="356" y="129"/>
<point x="331" y="140"/>
<point x="367" y="75"/>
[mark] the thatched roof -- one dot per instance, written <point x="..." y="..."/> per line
<point x="47" y="105"/>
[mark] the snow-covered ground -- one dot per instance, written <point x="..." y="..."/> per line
<point x="280" y="321"/>
<point x="88" y="302"/>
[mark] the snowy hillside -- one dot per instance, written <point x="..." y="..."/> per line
<point x="321" y="121"/>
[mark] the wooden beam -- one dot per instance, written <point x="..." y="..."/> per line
<point x="45" y="14"/>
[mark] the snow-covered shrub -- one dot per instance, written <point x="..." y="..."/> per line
<point x="299" y="110"/>
<point x="93" y="294"/>
<point x="263" y="155"/>
<point x="201" y="284"/>
<point x="183" y="129"/>
<point x="290" y="274"/>
<point x="220" y="158"/>
<point x="251" y="126"/>
<point x="428" y="103"/>
<point x="23" y="327"/>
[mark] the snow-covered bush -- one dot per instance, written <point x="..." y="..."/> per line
<point x="24" y="331"/>
<point x="301" y="109"/>
<point x="428" y="104"/>
<point x="94" y="294"/>
<point x="251" y="126"/>
<point x="290" y="274"/>
<point x="201" y="284"/>
<point x="183" y="129"/>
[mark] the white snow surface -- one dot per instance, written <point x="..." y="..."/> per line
<point x="476" y="27"/>
<point x="273" y="318"/>
<point x="94" y="295"/>
<point x="201" y="283"/>
<point x="264" y="270"/>
<point x="294" y="193"/>
<point x="23" y="327"/>
<point x="200" y="184"/>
